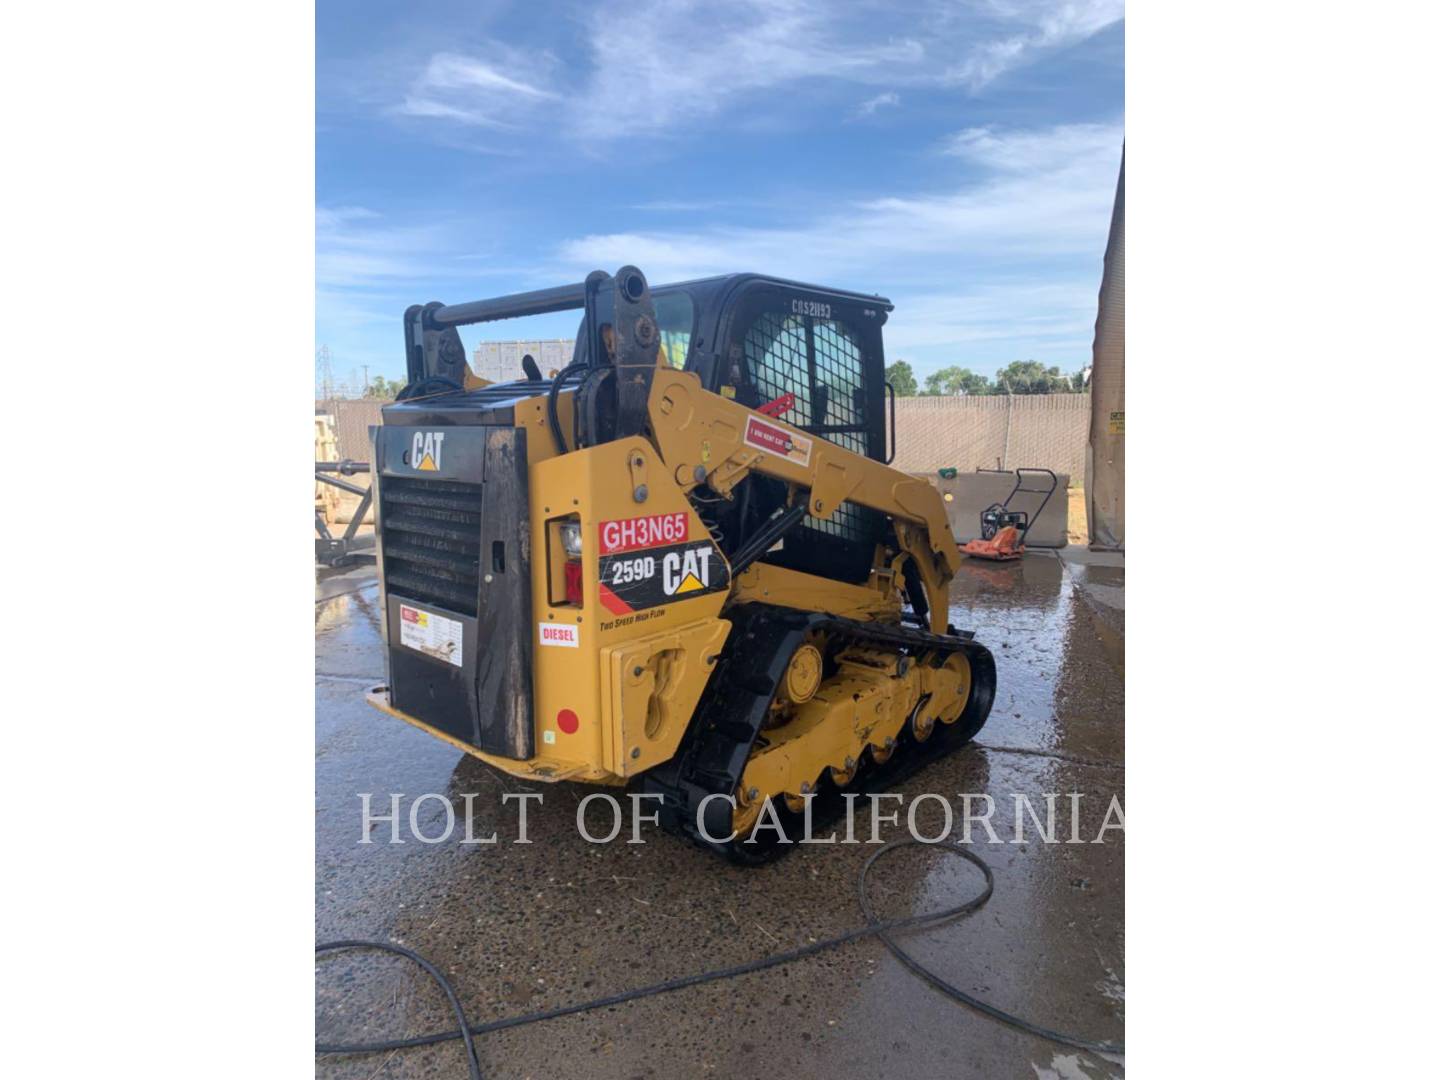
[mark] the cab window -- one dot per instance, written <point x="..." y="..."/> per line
<point x="778" y="361"/>
<point x="675" y="314"/>
<point x="820" y="362"/>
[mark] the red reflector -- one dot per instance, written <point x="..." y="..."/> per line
<point x="567" y="721"/>
<point x="574" y="584"/>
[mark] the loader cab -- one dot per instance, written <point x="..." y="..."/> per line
<point x="813" y="357"/>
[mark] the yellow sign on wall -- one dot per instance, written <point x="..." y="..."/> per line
<point x="1117" y="423"/>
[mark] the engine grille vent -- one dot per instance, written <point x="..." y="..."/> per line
<point x="431" y="532"/>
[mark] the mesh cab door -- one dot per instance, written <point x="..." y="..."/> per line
<point x="827" y="353"/>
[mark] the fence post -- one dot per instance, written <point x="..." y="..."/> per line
<point x="1009" y="411"/>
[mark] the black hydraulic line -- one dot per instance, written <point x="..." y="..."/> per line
<point x="765" y="539"/>
<point x="514" y="306"/>
<point x="426" y="387"/>
<point x="873" y="928"/>
<point x="551" y="410"/>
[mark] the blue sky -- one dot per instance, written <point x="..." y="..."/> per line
<point x="959" y="158"/>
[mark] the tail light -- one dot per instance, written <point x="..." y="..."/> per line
<point x="574" y="583"/>
<point x="565" y="544"/>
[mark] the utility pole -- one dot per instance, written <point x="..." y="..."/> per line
<point x="365" y="389"/>
<point x="327" y="376"/>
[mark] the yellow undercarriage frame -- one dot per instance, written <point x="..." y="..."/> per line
<point x="863" y="708"/>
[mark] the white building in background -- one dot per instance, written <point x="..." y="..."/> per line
<point x="499" y="361"/>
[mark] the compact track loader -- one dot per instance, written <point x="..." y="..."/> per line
<point x="681" y="563"/>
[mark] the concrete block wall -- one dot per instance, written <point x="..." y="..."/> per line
<point x="1047" y="431"/>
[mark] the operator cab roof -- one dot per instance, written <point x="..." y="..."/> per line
<point x="719" y="287"/>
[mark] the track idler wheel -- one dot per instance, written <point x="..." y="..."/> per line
<point x="922" y="722"/>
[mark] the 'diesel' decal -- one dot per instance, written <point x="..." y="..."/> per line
<point x="636" y="580"/>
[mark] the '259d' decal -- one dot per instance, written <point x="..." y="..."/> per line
<point x="636" y="580"/>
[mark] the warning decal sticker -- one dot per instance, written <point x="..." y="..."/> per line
<point x="434" y="635"/>
<point x="661" y="576"/>
<point x="774" y="439"/>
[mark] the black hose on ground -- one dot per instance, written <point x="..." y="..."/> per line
<point x="472" y="1056"/>
<point x="874" y="928"/>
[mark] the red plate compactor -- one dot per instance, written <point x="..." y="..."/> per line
<point x="1002" y="530"/>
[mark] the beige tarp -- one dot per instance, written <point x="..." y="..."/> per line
<point x="1105" y="457"/>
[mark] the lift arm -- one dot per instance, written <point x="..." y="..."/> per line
<point x="706" y="438"/>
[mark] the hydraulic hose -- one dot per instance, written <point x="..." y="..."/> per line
<point x="551" y="409"/>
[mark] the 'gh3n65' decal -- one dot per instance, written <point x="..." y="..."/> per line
<point x="636" y="580"/>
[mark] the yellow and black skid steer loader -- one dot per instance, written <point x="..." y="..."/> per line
<point x="681" y="563"/>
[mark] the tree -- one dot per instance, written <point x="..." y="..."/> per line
<point x="956" y="380"/>
<point x="383" y="388"/>
<point x="902" y="378"/>
<point x="1032" y="377"/>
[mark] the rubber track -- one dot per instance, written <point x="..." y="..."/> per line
<point x="712" y="755"/>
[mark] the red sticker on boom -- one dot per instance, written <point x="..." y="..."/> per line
<point x="776" y="440"/>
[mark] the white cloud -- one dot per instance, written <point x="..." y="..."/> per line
<point x="682" y="206"/>
<point x="368" y="270"/>
<point x="1029" y="151"/>
<point x="1046" y="316"/>
<point x="1040" y="26"/>
<point x="870" y="106"/>
<point x="471" y="90"/>
<point x="1058" y="204"/>
<point x="659" y="64"/>
<point x="448" y="71"/>
<point x="655" y="67"/>
<point x="354" y="247"/>
<point x="1038" y="215"/>
<point x="332" y="218"/>
<point x="419" y="105"/>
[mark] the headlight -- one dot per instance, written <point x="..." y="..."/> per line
<point x="570" y="538"/>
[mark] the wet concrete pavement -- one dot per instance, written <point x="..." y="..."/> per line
<point x="525" y="927"/>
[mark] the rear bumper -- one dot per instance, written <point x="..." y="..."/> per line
<point x="544" y="769"/>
